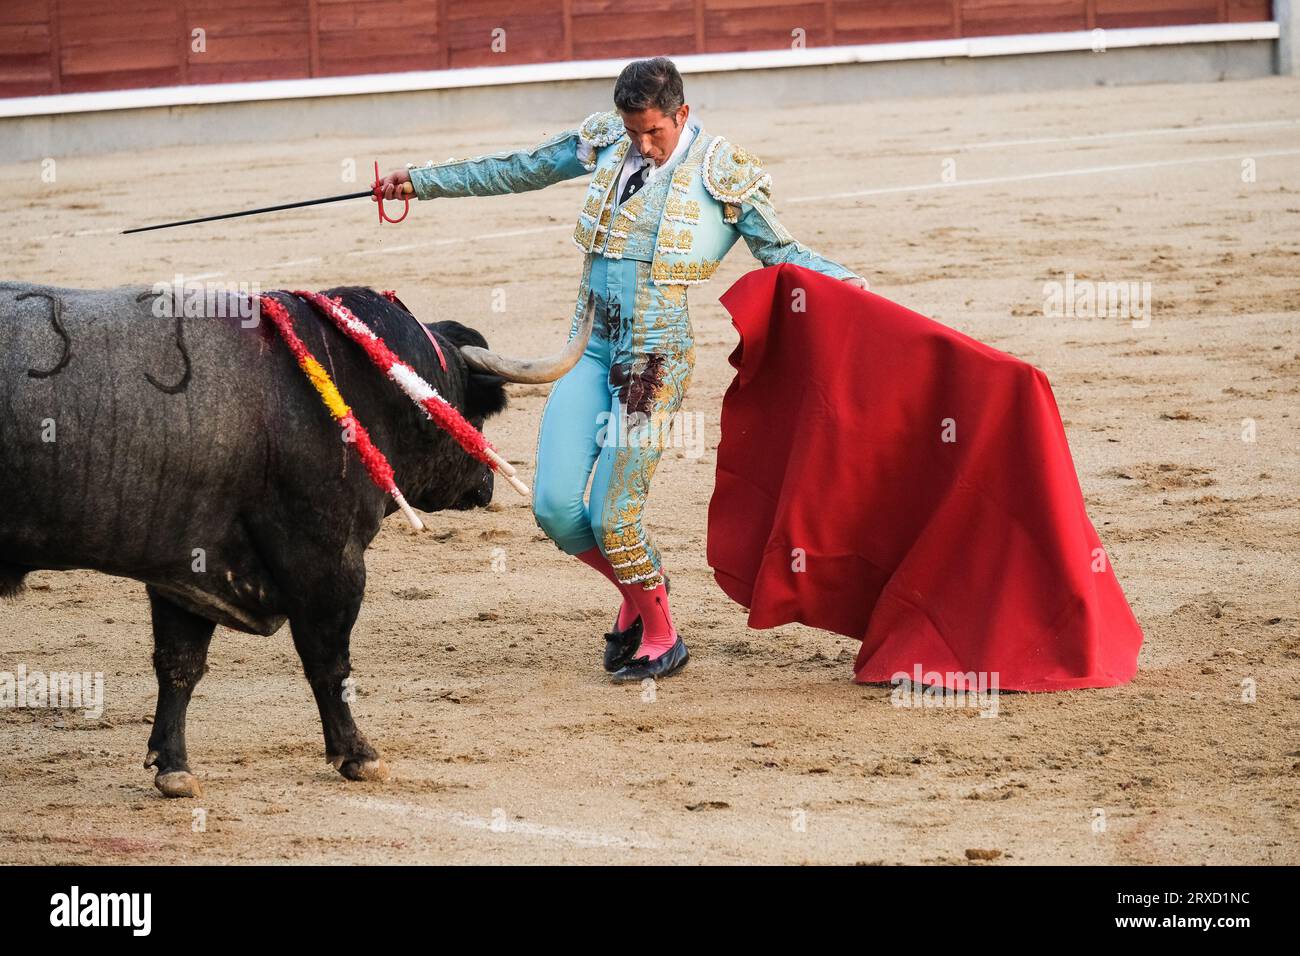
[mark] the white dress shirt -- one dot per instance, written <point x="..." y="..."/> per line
<point x="634" y="160"/>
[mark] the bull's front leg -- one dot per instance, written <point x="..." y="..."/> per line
<point x="180" y="658"/>
<point x="322" y="636"/>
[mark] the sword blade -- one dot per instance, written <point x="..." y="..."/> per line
<point x="251" y="212"/>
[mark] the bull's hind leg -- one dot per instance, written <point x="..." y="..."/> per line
<point x="322" y="635"/>
<point x="180" y="657"/>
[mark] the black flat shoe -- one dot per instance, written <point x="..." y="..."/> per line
<point x="620" y="646"/>
<point x="643" y="667"/>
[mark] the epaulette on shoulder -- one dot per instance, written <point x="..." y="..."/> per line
<point x="732" y="174"/>
<point x="601" y="129"/>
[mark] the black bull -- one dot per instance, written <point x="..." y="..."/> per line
<point x="193" y="455"/>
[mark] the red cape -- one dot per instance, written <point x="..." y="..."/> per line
<point x="840" y="505"/>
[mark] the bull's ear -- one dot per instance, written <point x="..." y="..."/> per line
<point x="485" y="393"/>
<point x="485" y="396"/>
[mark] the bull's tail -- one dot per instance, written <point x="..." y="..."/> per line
<point x="11" y="580"/>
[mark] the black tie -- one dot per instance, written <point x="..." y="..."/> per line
<point x="634" y="182"/>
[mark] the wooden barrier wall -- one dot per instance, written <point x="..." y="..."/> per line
<point x="66" y="46"/>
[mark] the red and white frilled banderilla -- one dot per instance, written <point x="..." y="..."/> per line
<point x="441" y="412"/>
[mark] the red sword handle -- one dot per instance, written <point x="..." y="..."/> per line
<point x="407" y="189"/>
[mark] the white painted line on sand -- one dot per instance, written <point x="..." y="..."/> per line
<point x="854" y="194"/>
<point x="1118" y="134"/>
<point x="500" y="823"/>
<point x="1052" y="174"/>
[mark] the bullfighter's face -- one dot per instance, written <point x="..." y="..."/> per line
<point x="654" y="132"/>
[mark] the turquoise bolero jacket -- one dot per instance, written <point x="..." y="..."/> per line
<point x="719" y="193"/>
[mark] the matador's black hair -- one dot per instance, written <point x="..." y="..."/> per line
<point x="649" y="83"/>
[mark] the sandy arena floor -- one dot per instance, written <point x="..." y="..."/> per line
<point x="483" y="689"/>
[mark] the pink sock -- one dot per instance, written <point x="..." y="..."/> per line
<point x="658" y="634"/>
<point x="627" y="612"/>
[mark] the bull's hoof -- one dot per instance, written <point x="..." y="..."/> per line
<point x="178" y="783"/>
<point x="376" y="769"/>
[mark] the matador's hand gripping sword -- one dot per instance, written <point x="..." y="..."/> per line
<point x="374" y="191"/>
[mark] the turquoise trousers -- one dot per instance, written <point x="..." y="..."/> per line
<point x="612" y="415"/>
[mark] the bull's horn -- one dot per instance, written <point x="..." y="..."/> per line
<point x="534" y="371"/>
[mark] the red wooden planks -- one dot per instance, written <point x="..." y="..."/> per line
<point x="604" y="29"/>
<point x="732" y="25"/>
<point x="892" y="21"/>
<point x="71" y="45"/>
<point x="26" y="43"/>
<point x="1001" y="17"/>
<point x="1152" y="13"/>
